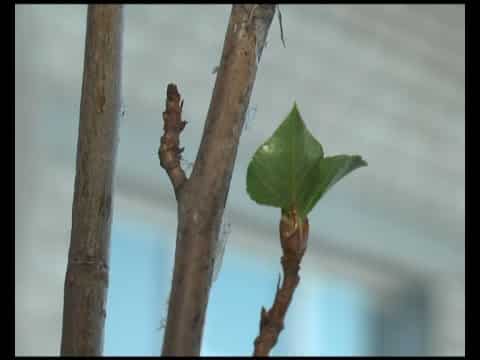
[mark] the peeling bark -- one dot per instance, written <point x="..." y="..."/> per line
<point x="86" y="279"/>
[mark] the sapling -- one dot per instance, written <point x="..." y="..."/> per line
<point x="289" y="171"/>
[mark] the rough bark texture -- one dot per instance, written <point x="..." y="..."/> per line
<point x="293" y="237"/>
<point x="169" y="151"/>
<point x="86" y="280"/>
<point x="202" y="199"/>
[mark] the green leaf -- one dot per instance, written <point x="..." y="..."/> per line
<point x="322" y="176"/>
<point x="278" y="166"/>
<point x="289" y="171"/>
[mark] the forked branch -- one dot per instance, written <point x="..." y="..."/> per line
<point x="201" y="199"/>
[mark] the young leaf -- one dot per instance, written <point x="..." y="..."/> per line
<point x="289" y="171"/>
<point x="274" y="174"/>
<point x="322" y="176"/>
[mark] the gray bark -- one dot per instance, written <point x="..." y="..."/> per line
<point x="202" y="198"/>
<point x="86" y="280"/>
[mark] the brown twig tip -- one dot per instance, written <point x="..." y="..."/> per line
<point x="169" y="151"/>
<point x="293" y="237"/>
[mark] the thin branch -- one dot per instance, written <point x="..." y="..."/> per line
<point x="293" y="236"/>
<point x="281" y="25"/>
<point x="86" y="279"/>
<point x="169" y="151"/>
<point x="201" y="201"/>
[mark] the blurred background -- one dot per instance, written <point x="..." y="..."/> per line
<point x="385" y="269"/>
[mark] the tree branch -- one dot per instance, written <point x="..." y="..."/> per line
<point x="86" y="279"/>
<point x="201" y="201"/>
<point x="293" y="236"/>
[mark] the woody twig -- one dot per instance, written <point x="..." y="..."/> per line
<point x="201" y="199"/>
<point x="169" y="151"/>
<point x="293" y="237"/>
